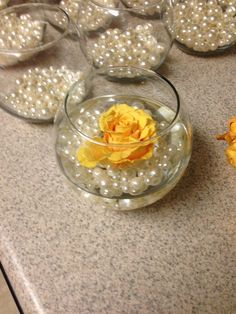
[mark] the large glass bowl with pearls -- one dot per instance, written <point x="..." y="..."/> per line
<point x="205" y="27"/>
<point x="125" y="33"/>
<point x="40" y="58"/>
<point x="128" y="142"/>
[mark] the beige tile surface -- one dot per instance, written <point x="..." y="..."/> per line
<point x="7" y="304"/>
<point x="178" y="256"/>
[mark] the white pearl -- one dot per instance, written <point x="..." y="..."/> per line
<point x="153" y="177"/>
<point x="137" y="186"/>
<point x="104" y="191"/>
<point x="125" y="187"/>
<point x="130" y="172"/>
<point x="163" y="125"/>
<point x="138" y="105"/>
<point x="124" y="179"/>
<point x="105" y="181"/>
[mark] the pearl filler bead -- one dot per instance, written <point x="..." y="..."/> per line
<point x="19" y="33"/>
<point x="108" y="180"/>
<point x="205" y="25"/>
<point x="134" y="47"/>
<point x="40" y="92"/>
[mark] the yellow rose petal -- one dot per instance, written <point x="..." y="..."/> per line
<point x="143" y="120"/>
<point x="230" y="138"/>
<point x="231" y="154"/>
<point x="233" y="128"/>
<point x="113" y="113"/>
<point x="143" y="152"/>
<point x="91" y="154"/>
<point x="119" y="155"/>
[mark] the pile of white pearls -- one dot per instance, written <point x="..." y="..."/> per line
<point x="93" y="17"/>
<point x="205" y="25"/>
<point x="89" y="16"/>
<point x="106" y="179"/>
<point x="149" y="7"/>
<point x="3" y="4"/>
<point x="40" y="92"/>
<point x="19" y="33"/>
<point x="134" y="47"/>
<point x="112" y="182"/>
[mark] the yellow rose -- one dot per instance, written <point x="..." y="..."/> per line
<point x="121" y="125"/>
<point x="230" y="138"/>
<point x="231" y="154"/>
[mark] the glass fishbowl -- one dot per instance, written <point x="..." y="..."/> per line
<point x="36" y="69"/>
<point x="128" y="142"/>
<point x="125" y="33"/>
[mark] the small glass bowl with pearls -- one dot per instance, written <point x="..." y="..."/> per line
<point x="128" y="143"/>
<point x="124" y="35"/>
<point x="205" y="27"/>
<point x="38" y="61"/>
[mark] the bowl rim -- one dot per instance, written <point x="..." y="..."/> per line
<point x="150" y="140"/>
<point x="36" y="6"/>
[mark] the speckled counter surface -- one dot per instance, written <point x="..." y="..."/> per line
<point x="177" y="256"/>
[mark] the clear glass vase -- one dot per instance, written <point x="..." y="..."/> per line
<point x="128" y="142"/>
<point x="40" y="58"/>
<point x="125" y="33"/>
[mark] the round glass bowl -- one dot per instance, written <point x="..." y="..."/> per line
<point x="205" y="27"/>
<point x="39" y="60"/>
<point x="115" y="34"/>
<point x="128" y="142"/>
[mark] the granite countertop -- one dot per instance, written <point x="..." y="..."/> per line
<point x="177" y="256"/>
